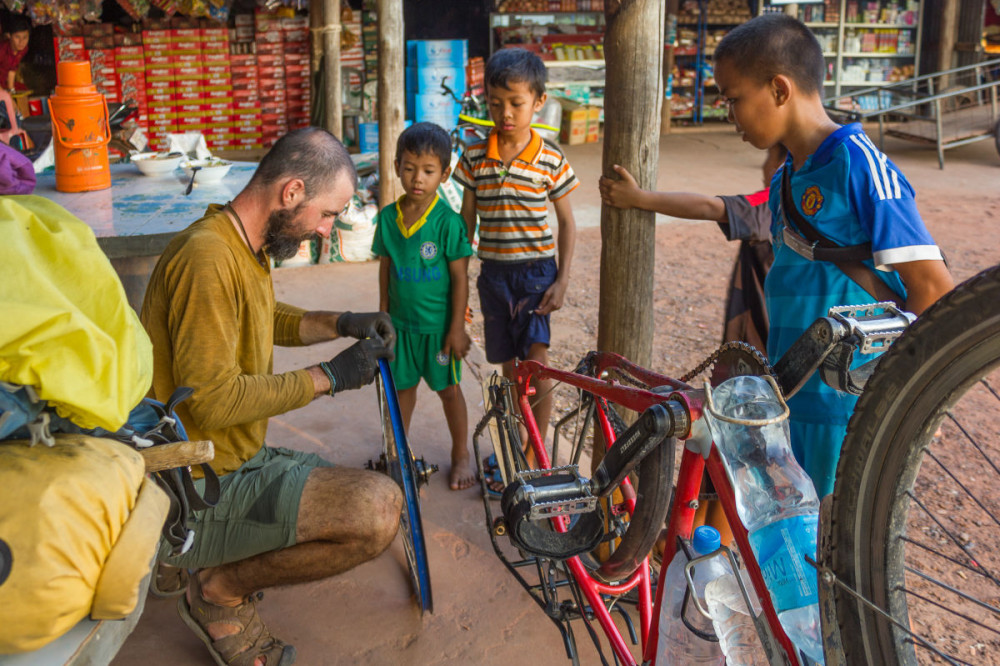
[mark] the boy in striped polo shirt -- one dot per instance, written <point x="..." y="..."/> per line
<point x="423" y="285"/>
<point x="509" y="179"/>
<point x="771" y="71"/>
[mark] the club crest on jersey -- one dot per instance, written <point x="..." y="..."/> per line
<point x="812" y="200"/>
<point x="442" y="358"/>
<point x="428" y="250"/>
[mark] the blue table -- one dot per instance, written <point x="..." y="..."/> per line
<point x="138" y="214"/>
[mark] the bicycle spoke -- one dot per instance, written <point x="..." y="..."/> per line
<point x="939" y="583"/>
<point x="954" y="560"/>
<point x="962" y="485"/>
<point x="973" y="441"/>
<point x="953" y="660"/>
<point x="951" y="536"/>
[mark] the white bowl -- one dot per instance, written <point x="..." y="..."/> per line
<point x="210" y="171"/>
<point x="156" y="164"/>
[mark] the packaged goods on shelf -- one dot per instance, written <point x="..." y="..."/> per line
<point x="580" y="123"/>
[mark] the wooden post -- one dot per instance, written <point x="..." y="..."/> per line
<point x="947" y="40"/>
<point x="331" y="50"/>
<point x="391" y="95"/>
<point x="633" y="51"/>
<point x="316" y="21"/>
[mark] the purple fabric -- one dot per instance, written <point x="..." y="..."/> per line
<point x="17" y="174"/>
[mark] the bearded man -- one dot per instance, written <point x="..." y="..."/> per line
<point x="284" y="516"/>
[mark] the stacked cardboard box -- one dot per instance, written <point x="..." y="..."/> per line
<point x="431" y="65"/>
<point x="157" y="45"/>
<point x="99" y="42"/>
<point x="295" y="33"/>
<point x="188" y="85"/>
<point x="130" y="69"/>
<point x="216" y="100"/>
<point x="270" y="43"/>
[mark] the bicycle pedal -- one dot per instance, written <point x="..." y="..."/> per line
<point x="537" y="495"/>
<point x="559" y="491"/>
<point x="875" y="325"/>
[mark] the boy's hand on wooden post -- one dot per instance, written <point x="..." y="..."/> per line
<point x="623" y="192"/>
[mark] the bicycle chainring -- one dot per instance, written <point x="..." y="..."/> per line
<point x="732" y="359"/>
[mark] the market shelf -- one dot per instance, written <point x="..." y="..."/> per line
<point x="593" y="64"/>
<point x="860" y="54"/>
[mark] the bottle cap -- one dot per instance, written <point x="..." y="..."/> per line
<point x="706" y="540"/>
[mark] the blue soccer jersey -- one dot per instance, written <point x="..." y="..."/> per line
<point x="852" y="194"/>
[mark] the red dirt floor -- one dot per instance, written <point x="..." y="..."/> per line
<point x="482" y="616"/>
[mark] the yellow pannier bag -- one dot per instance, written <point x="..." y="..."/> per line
<point x="83" y="522"/>
<point x="67" y="328"/>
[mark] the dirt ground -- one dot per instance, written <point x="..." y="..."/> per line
<point x="481" y="615"/>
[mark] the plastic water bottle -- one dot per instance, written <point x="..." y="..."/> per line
<point x="776" y="501"/>
<point x="678" y="644"/>
<point x="733" y="623"/>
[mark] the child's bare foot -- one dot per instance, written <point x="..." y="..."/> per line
<point x="461" y="475"/>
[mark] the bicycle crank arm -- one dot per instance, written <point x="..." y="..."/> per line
<point x="830" y="342"/>
<point x="652" y="427"/>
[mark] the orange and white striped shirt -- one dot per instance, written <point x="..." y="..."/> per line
<point x="511" y="200"/>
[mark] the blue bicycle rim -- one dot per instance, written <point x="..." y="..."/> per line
<point x="409" y="487"/>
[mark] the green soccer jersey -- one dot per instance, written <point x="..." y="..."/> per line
<point x="419" y="281"/>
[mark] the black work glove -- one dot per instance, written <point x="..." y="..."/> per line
<point x="363" y="325"/>
<point x="356" y="366"/>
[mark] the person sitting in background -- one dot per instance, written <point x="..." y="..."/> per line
<point x="12" y="49"/>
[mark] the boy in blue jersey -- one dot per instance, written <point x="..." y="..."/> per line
<point x="771" y="70"/>
<point x="423" y="285"/>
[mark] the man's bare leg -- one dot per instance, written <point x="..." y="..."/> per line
<point x="346" y="517"/>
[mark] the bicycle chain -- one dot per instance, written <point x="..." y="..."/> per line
<point x="748" y="352"/>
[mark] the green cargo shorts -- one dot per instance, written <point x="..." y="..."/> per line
<point x="257" y="511"/>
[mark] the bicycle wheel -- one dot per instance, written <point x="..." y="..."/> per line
<point x="916" y="506"/>
<point x="400" y="466"/>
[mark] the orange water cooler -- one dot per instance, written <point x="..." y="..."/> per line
<point x="80" y="130"/>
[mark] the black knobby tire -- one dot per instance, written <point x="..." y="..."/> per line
<point x="942" y="356"/>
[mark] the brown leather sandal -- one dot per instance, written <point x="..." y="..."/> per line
<point x="254" y="640"/>
<point x="168" y="581"/>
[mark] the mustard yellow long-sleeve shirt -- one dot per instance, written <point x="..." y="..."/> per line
<point x="211" y="314"/>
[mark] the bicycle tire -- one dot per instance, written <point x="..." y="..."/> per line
<point x="931" y="367"/>
<point x="401" y="468"/>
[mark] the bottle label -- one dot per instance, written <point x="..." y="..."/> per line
<point x="780" y="548"/>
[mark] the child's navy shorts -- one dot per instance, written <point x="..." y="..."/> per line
<point x="509" y="292"/>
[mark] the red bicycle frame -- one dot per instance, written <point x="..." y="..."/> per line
<point x="681" y="517"/>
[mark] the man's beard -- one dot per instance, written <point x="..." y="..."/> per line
<point x="281" y="238"/>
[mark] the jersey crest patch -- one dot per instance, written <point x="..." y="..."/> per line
<point x="442" y="358"/>
<point x="428" y="250"/>
<point x="812" y="200"/>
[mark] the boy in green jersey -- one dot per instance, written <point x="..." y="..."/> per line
<point x="423" y="285"/>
